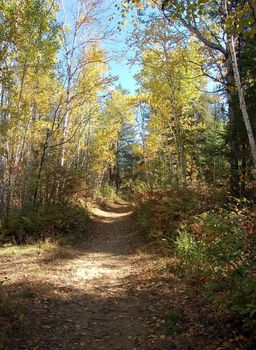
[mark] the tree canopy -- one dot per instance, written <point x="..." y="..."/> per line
<point x="181" y="146"/>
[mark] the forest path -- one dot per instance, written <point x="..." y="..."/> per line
<point x="87" y="296"/>
<point x="112" y="291"/>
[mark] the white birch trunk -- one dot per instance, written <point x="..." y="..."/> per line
<point x="242" y="102"/>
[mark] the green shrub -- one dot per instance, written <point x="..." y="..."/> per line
<point x="215" y="242"/>
<point x="143" y="219"/>
<point x="164" y="210"/>
<point x="173" y="323"/>
<point x="108" y="192"/>
<point x="27" y="225"/>
<point x="188" y="249"/>
<point x="225" y="242"/>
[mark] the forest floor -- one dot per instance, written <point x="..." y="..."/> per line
<point x="109" y="292"/>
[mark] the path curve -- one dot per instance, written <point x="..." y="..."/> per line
<point x="83" y="297"/>
<point x="111" y="292"/>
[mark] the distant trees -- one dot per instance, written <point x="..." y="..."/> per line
<point x="179" y="114"/>
<point x="65" y="128"/>
<point x="111" y="145"/>
<point x="52" y="86"/>
<point x="225" y="30"/>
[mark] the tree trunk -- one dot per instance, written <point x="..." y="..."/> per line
<point x="234" y="146"/>
<point x="38" y="179"/>
<point x="178" y="134"/>
<point x="243" y="170"/>
<point x="242" y="103"/>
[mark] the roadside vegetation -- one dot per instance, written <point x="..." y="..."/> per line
<point x="181" y="148"/>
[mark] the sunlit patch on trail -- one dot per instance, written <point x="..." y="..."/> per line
<point x="92" y="272"/>
<point x="81" y="291"/>
<point x="103" y="214"/>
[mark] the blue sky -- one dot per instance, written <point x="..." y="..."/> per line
<point x="125" y="76"/>
<point x="115" y="47"/>
<point x="119" y="65"/>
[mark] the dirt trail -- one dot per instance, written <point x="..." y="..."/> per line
<point x="82" y="297"/>
<point x="106" y="293"/>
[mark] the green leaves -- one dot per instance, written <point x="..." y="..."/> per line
<point x="188" y="249"/>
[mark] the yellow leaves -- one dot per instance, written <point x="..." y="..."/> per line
<point x="93" y="65"/>
<point x="137" y="150"/>
<point x="119" y="111"/>
<point x="67" y="27"/>
<point x="120" y="108"/>
<point x="252" y="33"/>
<point x="239" y="19"/>
<point x="139" y="98"/>
<point x="140" y="4"/>
<point x="170" y="79"/>
<point x="107" y="135"/>
<point x="21" y="317"/>
<point x="154" y="142"/>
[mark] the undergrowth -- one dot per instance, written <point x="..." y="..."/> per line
<point x="61" y="222"/>
<point x="214" y="244"/>
<point x="28" y="231"/>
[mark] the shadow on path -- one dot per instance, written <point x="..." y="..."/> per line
<point x="103" y="294"/>
<point x="82" y="297"/>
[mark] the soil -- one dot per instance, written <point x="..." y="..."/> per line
<point x="109" y="292"/>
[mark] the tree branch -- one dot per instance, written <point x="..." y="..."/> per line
<point x="211" y="44"/>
